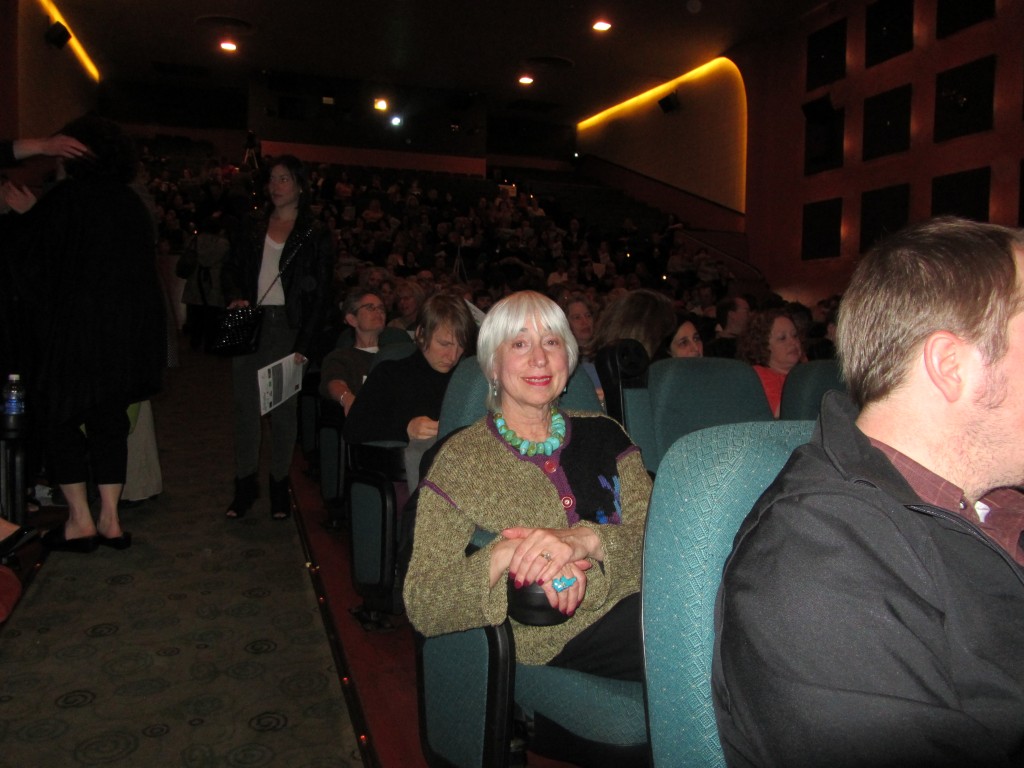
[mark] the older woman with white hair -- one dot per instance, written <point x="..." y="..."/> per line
<point x="563" y="495"/>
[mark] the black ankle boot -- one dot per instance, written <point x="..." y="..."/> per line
<point x="280" y="499"/>
<point x="247" y="490"/>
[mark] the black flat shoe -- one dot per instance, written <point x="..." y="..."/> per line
<point x="55" y="541"/>
<point x="115" y="542"/>
<point x="13" y="542"/>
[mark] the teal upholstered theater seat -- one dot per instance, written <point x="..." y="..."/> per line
<point x="706" y="485"/>
<point x="806" y="384"/>
<point x="694" y="393"/>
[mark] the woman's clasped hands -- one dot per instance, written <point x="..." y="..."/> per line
<point x="556" y="559"/>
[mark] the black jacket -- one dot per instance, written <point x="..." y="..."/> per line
<point x="306" y="280"/>
<point x="91" y="329"/>
<point x="858" y="626"/>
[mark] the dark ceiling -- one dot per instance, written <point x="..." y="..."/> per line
<point x="474" y="47"/>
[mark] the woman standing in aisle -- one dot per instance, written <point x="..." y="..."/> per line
<point x="284" y="258"/>
<point x="82" y="259"/>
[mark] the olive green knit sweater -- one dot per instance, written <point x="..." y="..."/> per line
<point x="477" y="480"/>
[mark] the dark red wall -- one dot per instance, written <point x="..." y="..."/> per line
<point x="777" y="189"/>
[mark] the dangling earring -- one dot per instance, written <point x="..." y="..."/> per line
<point x="494" y="387"/>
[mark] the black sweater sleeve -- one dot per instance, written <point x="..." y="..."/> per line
<point x="395" y="392"/>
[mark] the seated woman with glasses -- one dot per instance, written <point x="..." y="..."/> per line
<point x="401" y="399"/>
<point x="344" y="369"/>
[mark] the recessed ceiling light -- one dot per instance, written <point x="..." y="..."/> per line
<point x="228" y="45"/>
<point x="381" y="105"/>
<point x="396" y="121"/>
<point x="525" y="80"/>
<point x="602" y="26"/>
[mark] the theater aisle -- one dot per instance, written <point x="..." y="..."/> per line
<point x="202" y="645"/>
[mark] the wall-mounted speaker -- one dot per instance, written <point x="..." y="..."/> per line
<point x="57" y="35"/>
<point x="669" y="103"/>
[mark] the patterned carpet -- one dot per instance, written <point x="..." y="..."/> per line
<point x="202" y="646"/>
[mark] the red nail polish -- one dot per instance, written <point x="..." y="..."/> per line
<point x="519" y="584"/>
<point x="540" y="582"/>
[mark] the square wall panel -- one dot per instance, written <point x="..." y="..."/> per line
<point x="826" y="55"/>
<point x="823" y="136"/>
<point x="953" y="15"/>
<point x="964" y="194"/>
<point x="888" y="30"/>
<point x="882" y="212"/>
<point x="887" y="122"/>
<point x="964" y="99"/>
<point x="822" y="229"/>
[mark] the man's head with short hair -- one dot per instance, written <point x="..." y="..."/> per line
<point x="946" y="274"/>
<point x="732" y="315"/>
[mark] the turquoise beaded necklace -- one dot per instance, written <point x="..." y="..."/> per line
<point x="528" y="447"/>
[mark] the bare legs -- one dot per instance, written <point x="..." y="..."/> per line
<point x="80" y="523"/>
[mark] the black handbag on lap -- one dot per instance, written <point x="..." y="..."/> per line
<point x="239" y="330"/>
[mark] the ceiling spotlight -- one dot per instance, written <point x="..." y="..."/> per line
<point x="525" y="80"/>
<point x="396" y="121"/>
<point x="602" y="26"/>
<point x="381" y="105"/>
<point x="228" y="45"/>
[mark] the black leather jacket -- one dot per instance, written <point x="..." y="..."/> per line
<point x="858" y="626"/>
<point x="306" y="279"/>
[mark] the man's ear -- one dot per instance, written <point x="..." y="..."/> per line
<point x="350" y="319"/>
<point x="947" y="358"/>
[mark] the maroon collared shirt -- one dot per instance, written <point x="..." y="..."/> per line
<point x="1003" y="521"/>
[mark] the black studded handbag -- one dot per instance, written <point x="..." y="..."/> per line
<point x="239" y="329"/>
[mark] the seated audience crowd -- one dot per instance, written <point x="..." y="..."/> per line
<point x="400" y="238"/>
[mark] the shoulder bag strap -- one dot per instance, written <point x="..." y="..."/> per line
<point x="298" y="246"/>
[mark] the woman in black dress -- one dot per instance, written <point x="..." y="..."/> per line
<point x="83" y="261"/>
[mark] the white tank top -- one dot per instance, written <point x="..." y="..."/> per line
<point x="269" y="267"/>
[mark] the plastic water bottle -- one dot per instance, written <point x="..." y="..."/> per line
<point x="14" y="396"/>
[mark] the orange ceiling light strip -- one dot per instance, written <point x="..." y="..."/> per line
<point x="642" y="100"/>
<point x="76" y="47"/>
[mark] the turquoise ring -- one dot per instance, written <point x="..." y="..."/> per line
<point x="561" y="583"/>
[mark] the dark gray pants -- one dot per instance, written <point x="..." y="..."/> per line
<point x="277" y="339"/>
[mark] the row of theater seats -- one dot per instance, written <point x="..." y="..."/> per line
<point x="706" y="431"/>
<point x="659" y="403"/>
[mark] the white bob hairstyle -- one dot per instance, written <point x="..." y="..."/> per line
<point x="507" y="318"/>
